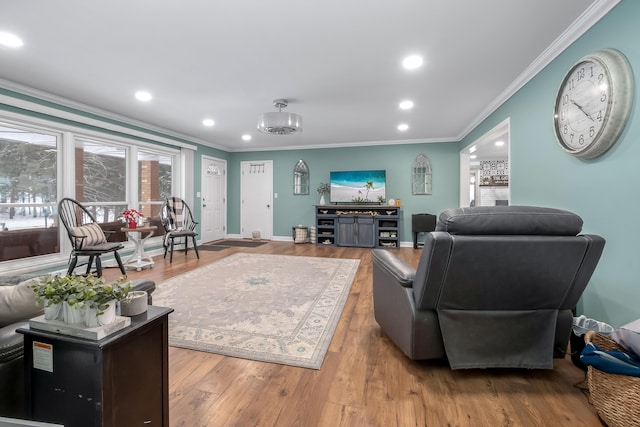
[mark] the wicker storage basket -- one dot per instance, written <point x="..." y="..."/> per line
<point x="615" y="397"/>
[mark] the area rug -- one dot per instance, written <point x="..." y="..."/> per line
<point x="271" y="308"/>
<point x="240" y="243"/>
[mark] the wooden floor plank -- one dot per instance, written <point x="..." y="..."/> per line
<point x="364" y="380"/>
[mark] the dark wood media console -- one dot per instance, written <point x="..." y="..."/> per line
<point x="358" y="226"/>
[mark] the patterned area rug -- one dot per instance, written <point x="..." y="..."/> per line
<point x="271" y="308"/>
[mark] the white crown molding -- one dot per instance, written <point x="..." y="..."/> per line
<point x="346" y="145"/>
<point x="67" y="115"/>
<point x="580" y="26"/>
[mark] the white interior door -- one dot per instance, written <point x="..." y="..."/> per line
<point x="214" y="189"/>
<point x="256" y="213"/>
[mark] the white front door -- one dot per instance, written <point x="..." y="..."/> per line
<point x="214" y="186"/>
<point x="256" y="213"/>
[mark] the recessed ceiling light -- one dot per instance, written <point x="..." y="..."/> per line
<point x="403" y="127"/>
<point x="473" y="156"/>
<point x="472" y="149"/>
<point x="143" y="96"/>
<point x="499" y="143"/>
<point x="412" y="62"/>
<point x="208" y="122"/>
<point x="246" y="137"/>
<point x="10" y="40"/>
<point x="406" y="105"/>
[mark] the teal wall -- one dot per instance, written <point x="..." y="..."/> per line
<point x="397" y="160"/>
<point x="600" y="190"/>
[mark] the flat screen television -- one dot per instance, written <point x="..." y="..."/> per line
<point x="367" y="186"/>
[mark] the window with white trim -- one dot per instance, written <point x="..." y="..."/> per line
<point x="28" y="189"/>
<point x="44" y="162"/>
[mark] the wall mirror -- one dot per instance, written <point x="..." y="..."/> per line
<point x="421" y="175"/>
<point x="300" y="178"/>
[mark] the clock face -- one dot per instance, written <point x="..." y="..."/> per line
<point x="593" y="103"/>
<point x="582" y="106"/>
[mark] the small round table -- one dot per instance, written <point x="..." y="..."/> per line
<point x="138" y="260"/>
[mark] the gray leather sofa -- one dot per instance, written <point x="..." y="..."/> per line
<point x="17" y="306"/>
<point x="494" y="287"/>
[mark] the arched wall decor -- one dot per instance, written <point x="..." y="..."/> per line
<point x="300" y="178"/>
<point x="421" y="179"/>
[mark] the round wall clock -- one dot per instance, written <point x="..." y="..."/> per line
<point x="593" y="103"/>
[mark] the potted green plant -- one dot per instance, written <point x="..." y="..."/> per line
<point x="79" y="295"/>
<point x="323" y="190"/>
<point x="100" y="301"/>
<point x="52" y="291"/>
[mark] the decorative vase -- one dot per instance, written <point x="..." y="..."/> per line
<point x="322" y="202"/>
<point x="52" y="311"/>
<point x="71" y="314"/>
<point x="136" y="303"/>
<point x="109" y="314"/>
<point x="132" y="223"/>
<point x="92" y="319"/>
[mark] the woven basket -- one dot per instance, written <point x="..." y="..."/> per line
<point x="615" y="397"/>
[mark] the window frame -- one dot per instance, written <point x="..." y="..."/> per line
<point x="66" y="135"/>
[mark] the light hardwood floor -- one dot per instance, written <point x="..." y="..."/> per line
<point x="364" y="380"/>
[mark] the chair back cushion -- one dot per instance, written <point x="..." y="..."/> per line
<point x="500" y="272"/>
<point x="509" y="220"/>
<point x="93" y="235"/>
<point x="505" y="257"/>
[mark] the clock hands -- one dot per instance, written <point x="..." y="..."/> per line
<point x="582" y="109"/>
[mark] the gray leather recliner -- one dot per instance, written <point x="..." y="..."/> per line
<point x="494" y="287"/>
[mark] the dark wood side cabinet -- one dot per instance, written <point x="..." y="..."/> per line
<point x="120" y="380"/>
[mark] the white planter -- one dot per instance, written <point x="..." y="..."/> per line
<point x="109" y="314"/>
<point x="71" y="314"/>
<point x="93" y="320"/>
<point x="53" y="311"/>
<point x="135" y="304"/>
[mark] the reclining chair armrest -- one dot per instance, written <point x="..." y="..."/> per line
<point x="144" y="285"/>
<point x="397" y="268"/>
<point x="11" y="342"/>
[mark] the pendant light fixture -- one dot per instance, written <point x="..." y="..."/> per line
<point x="280" y="123"/>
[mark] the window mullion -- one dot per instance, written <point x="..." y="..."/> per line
<point x="132" y="178"/>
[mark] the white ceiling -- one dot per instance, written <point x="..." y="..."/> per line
<point x="338" y="62"/>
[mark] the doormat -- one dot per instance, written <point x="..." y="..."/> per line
<point x="210" y="247"/>
<point x="271" y="308"/>
<point x="240" y="243"/>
